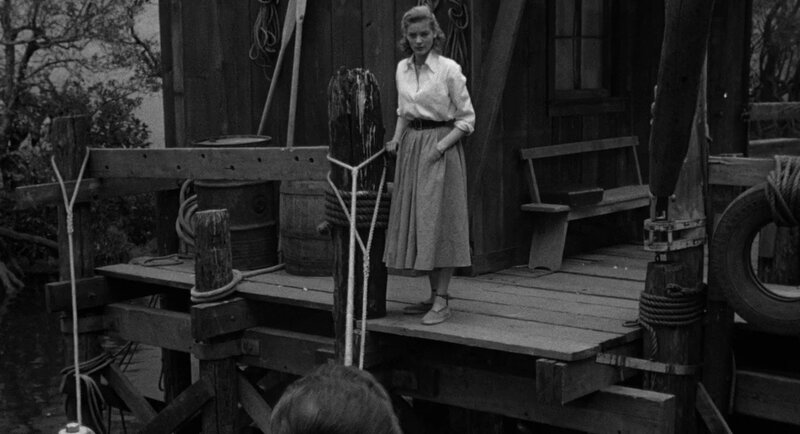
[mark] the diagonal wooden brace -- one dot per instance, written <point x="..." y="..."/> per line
<point x="128" y="393"/>
<point x="189" y="402"/>
<point x="253" y="403"/>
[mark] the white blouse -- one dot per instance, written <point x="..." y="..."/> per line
<point x="440" y="93"/>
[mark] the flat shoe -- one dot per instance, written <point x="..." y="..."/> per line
<point x="418" y="308"/>
<point x="436" y="316"/>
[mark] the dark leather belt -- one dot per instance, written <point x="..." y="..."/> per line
<point x="425" y="124"/>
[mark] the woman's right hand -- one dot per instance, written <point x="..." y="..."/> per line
<point x="391" y="146"/>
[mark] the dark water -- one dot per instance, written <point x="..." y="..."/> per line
<point x="31" y="357"/>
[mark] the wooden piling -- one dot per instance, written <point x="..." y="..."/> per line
<point x="214" y="269"/>
<point x="728" y="84"/>
<point x="686" y="28"/>
<point x="177" y="364"/>
<point x="681" y="345"/>
<point x="678" y="179"/>
<point x="70" y="137"/>
<point x="356" y="133"/>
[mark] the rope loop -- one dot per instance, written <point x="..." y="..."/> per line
<point x="218" y="293"/>
<point x="184" y="223"/>
<point x="265" y="37"/>
<point x="456" y="46"/>
<point x="783" y="190"/>
<point x="369" y="205"/>
<point x="681" y="307"/>
<point x="160" y="261"/>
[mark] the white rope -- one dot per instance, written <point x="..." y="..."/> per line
<point x="68" y="204"/>
<point x="365" y="249"/>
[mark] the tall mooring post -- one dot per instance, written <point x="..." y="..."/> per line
<point x="214" y="270"/>
<point x="356" y="133"/>
<point x="728" y="87"/>
<point x="672" y="304"/>
<point x="70" y="137"/>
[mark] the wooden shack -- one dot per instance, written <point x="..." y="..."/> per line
<point x="540" y="72"/>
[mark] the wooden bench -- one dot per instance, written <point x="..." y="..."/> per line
<point x="550" y="220"/>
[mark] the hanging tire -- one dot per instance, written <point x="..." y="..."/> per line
<point x="730" y="267"/>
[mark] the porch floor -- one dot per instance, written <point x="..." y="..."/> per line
<point x="567" y="315"/>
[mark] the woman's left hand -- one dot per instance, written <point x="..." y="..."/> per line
<point x="435" y="154"/>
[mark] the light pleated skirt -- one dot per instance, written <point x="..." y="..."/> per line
<point x="428" y="221"/>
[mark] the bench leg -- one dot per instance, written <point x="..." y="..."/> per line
<point x="547" y="242"/>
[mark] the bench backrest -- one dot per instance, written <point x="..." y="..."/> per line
<point x="530" y="154"/>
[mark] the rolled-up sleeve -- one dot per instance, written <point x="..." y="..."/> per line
<point x="464" y="113"/>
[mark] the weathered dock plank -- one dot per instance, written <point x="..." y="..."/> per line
<point x="502" y="334"/>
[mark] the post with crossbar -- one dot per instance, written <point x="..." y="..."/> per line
<point x="70" y="138"/>
<point x="672" y="304"/>
<point x="356" y="133"/>
<point x="214" y="270"/>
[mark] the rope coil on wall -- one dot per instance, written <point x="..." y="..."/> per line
<point x="266" y="34"/>
<point x="184" y="223"/>
<point x="456" y="46"/>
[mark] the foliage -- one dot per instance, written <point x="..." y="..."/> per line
<point x="775" y="59"/>
<point x="62" y="57"/>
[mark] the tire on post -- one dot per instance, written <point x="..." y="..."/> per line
<point x="730" y="266"/>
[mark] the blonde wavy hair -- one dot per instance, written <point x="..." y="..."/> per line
<point x="415" y="15"/>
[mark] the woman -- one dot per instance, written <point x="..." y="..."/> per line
<point x="428" y="224"/>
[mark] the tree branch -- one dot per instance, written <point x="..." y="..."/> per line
<point x="147" y="54"/>
<point x="19" y="236"/>
<point x="47" y="65"/>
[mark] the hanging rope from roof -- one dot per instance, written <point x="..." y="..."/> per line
<point x="265" y="38"/>
<point x="456" y="47"/>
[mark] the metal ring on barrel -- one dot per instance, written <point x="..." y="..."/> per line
<point x="730" y="266"/>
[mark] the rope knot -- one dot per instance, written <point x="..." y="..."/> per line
<point x="783" y="192"/>
<point x="70" y="222"/>
<point x="675" y="290"/>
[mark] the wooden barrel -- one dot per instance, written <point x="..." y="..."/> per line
<point x="305" y="251"/>
<point x="251" y="207"/>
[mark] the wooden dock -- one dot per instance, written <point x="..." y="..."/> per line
<point x="568" y="315"/>
<point x="520" y="343"/>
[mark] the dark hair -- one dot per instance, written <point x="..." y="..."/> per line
<point x="335" y="399"/>
<point x="415" y="15"/>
